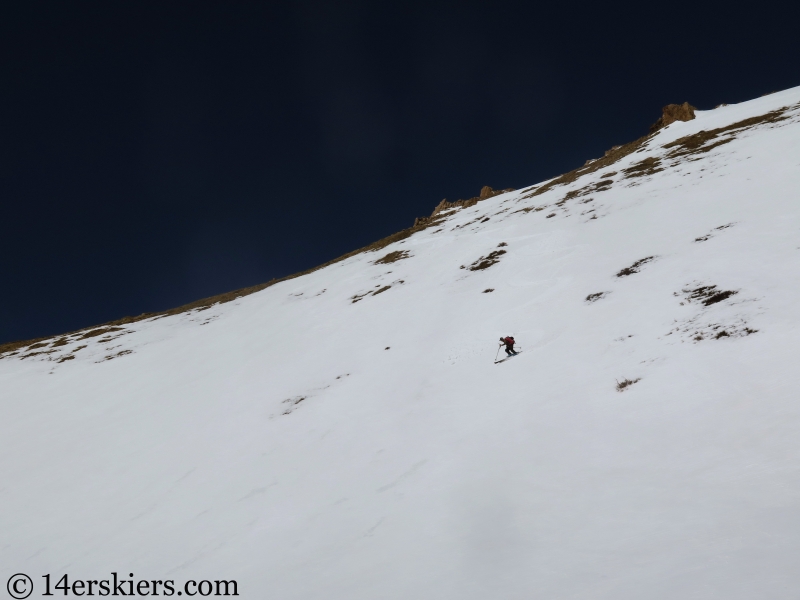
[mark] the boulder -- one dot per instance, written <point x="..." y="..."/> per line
<point x="672" y="113"/>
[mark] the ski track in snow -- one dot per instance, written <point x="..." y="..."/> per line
<point x="346" y="435"/>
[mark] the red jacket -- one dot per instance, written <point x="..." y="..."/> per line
<point x="509" y="341"/>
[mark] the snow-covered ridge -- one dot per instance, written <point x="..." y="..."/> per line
<point x="346" y="434"/>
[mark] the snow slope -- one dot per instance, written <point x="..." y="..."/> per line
<point x="313" y="447"/>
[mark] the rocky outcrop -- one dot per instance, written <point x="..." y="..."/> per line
<point x="672" y="113"/>
<point x="486" y="192"/>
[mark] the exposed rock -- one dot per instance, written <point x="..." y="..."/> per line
<point x="487" y="192"/>
<point x="392" y="257"/>
<point x="484" y="262"/>
<point x="672" y="113"/>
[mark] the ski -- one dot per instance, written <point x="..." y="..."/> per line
<point x="497" y="362"/>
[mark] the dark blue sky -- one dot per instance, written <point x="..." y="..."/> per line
<point x="154" y="153"/>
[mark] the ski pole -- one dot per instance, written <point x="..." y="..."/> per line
<point x="498" y="352"/>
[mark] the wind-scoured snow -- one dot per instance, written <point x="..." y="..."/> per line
<point x="347" y="435"/>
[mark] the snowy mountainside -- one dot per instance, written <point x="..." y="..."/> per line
<point x="346" y="434"/>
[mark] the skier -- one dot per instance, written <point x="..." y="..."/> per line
<point x="509" y="342"/>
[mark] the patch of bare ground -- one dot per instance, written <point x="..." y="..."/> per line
<point x="392" y="257"/>
<point x="31" y="354"/>
<point x="488" y="291"/>
<point x="380" y="290"/>
<point x="709" y="235"/>
<point x="697" y="328"/>
<point x="528" y="209"/>
<point x="596" y="296"/>
<point x="703" y="141"/>
<point x="635" y="267"/>
<point x="611" y="156"/>
<point x="293" y="403"/>
<point x="708" y="294"/>
<point x="117" y="355"/>
<point x="626" y="383"/>
<point x="643" y="168"/>
<point x="600" y="186"/>
<point x="70" y="356"/>
<point x="695" y="331"/>
<point x="484" y="262"/>
<point x="110" y="338"/>
<point x="100" y="331"/>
